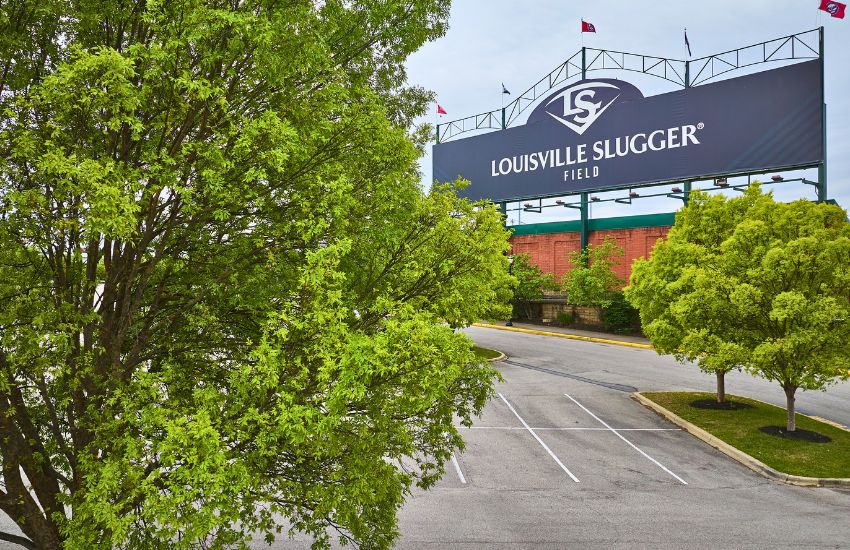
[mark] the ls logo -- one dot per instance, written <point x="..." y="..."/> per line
<point x="578" y="106"/>
<point x="583" y="104"/>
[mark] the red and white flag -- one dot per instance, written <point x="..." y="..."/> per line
<point x="587" y="27"/>
<point x="835" y="9"/>
<point x="440" y="110"/>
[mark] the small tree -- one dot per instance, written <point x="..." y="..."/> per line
<point x="531" y="282"/>
<point x="592" y="281"/>
<point x="749" y="282"/>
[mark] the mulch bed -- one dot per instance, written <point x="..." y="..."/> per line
<point x="725" y="406"/>
<point x="798" y="434"/>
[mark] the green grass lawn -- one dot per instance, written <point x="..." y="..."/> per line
<point x="740" y="428"/>
<point x="484" y="353"/>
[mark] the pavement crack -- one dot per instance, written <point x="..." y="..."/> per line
<point x="610" y="385"/>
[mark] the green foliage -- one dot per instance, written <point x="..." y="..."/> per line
<point x="592" y="280"/>
<point x="485" y="353"/>
<point x="224" y="298"/>
<point x="749" y="282"/>
<point x="531" y="283"/>
<point x="565" y="318"/>
<point x="619" y="315"/>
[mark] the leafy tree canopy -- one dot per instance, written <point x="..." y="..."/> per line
<point x="531" y="282"/>
<point x="224" y="299"/>
<point x="592" y="280"/>
<point x="750" y="282"/>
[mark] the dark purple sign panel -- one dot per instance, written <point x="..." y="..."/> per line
<point x="600" y="134"/>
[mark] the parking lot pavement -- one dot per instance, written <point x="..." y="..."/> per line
<point x="659" y="487"/>
<point x="565" y="427"/>
<point x="640" y="482"/>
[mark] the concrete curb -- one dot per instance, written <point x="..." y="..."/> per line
<point x="742" y="457"/>
<point x="567" y="336"/>
<point x="501" y="357"/>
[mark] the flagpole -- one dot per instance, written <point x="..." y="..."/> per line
<point x="582" y="32"/>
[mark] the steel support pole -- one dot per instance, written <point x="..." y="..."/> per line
<point x="583" y="62"/>
<point x="822" y="196"/>
<point x="585" y="222"/>
<point x="687" y="193"/>
<point x="503" y="119"/>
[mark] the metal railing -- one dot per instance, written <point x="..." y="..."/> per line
<point x="803" y="45"/>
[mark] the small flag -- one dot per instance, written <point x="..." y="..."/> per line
<point x="505" y="90"/>
<point x="440" y="110"/>
<point x="688" y="44"/>
<point x="587" y="27"/>
<point x="835" y="9"/>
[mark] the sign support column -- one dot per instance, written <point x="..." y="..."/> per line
<point x="585" y="222"/>
<point x="822" y="167"/>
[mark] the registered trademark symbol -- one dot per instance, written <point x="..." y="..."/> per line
<point x="700" y="126"/>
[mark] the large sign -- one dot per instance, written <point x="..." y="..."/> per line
<point x="603" y="134"/>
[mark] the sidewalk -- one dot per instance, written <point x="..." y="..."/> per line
<point x="574" y="333"/>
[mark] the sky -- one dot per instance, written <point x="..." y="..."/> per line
<point x="490" y="42"/>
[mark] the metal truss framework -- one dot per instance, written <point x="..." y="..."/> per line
<point x="800" y="46"/>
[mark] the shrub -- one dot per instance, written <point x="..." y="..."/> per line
<point x="592" y="279"/>
<point x="531" y="283"/>
<point x="619" y="315"/>
<point x="565" y="318"/>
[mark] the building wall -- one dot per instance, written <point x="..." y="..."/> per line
<point x="549" y="251"/>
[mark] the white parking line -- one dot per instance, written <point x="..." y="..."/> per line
<point x="632" y="445"/>
<point x="457" y="469"/>
<point x="548" y="450"/>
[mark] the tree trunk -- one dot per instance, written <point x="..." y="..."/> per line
<point x="721" y="386"/>
<point x="789" y="406"/>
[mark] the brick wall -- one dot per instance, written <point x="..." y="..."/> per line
<point x="549" y="251"/>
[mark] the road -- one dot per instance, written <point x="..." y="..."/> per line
<point x="648" y="371"/>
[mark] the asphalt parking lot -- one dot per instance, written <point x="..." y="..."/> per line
<point x="562" y="458"/>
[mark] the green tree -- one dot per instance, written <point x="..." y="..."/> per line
<point x="753" y="283"/>
<point x="531" y="283"/>
<point x="592" y="281"/>
<point x="225" y="302"/>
